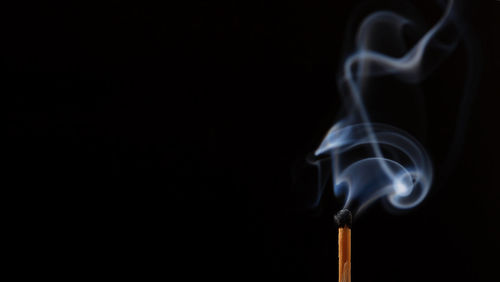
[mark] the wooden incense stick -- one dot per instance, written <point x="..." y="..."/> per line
<point x="344" y="221"/>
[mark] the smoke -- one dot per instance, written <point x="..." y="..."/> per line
<point x="371" y="160"/>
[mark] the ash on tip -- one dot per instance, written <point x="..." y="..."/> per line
<point x="343" y="218"/>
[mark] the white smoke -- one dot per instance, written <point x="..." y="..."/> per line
<point x="395" y="166"/>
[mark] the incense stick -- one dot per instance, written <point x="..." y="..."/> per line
<point x="344" y="221"/>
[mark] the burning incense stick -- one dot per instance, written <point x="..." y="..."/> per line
<point x="344" y="221"/>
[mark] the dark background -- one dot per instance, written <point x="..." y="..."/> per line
<point x="155" y="140"/>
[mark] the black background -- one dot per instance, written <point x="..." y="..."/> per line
<point x="156" y="140"/>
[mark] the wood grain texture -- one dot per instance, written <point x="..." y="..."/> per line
<point x="344" y="254"/>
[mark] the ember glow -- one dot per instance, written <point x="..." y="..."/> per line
<point x="372" y="161"/>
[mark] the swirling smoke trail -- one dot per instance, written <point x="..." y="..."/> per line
<point x="392" y="165"/>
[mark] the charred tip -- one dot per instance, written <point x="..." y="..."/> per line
<point x="344" y="218"/>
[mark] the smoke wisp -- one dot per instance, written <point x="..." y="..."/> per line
<point x="370" y="160"/>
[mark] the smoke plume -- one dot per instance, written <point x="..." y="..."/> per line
<point x="372" y="160"/>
